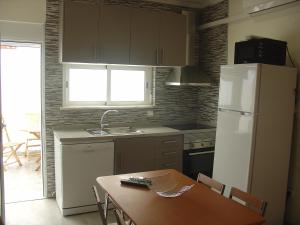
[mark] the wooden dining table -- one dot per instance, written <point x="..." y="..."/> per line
<point x="198" y="206"/>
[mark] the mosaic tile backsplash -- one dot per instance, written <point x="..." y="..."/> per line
<point x="212" y="53"/>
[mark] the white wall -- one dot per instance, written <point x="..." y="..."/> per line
<point x="282" y="24"/>
<point x="22" y="20"/>
<point x="33" y="11"/>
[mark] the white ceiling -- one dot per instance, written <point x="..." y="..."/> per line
<point x="190" y="3"/>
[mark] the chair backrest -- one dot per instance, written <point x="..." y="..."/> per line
<point x="6" y="138"/>
<point x="103" y="212"/>
<point x="211" y="183"/>
<point x="251" y="201"/>
<point x="100" y="209"/>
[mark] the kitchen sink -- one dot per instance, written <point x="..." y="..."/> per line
<point x="114" y="131"/>
<point x="97" y="132"/>
<point x="122" y="130"/>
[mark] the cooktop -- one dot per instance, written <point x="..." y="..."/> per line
<point x="190" y="126"/>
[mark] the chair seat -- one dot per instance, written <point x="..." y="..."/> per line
<point x="12" y="144"/>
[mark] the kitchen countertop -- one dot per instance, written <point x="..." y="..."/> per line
<point x="81" y="135"/>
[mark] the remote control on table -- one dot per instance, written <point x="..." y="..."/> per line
<point x="142" y="182"/>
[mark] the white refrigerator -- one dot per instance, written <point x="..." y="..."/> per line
<point x="254" y="132"/>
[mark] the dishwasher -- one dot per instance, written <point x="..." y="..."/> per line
<point x="77" y="165"/>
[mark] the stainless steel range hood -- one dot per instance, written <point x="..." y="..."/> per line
<point x="188" y="76"/>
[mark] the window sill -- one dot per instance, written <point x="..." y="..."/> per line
<point x="107" y="107"/>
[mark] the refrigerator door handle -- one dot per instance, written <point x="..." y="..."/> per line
<point x="246" y="114"/>
<point x="224" y="110"/>
<point x="236" y="111"/>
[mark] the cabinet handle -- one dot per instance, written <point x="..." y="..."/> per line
<point x="118" y="168"/>
<point x="88" y="150"/>
<point x="157" y="57"/>
<point x="170" y="142"/>
<point x="169" y="153"/>
<point x="200" y="153"/>
<point x="162" y="56"/>
<point x="95" y="52"/>
<point x="168" y="164"/>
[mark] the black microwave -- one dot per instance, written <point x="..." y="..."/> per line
<point x="263" y="50"/>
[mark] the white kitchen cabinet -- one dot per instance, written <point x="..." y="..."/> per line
<point x="77" y="165"/>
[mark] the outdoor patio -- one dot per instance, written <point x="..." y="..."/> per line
<point x="23" y="182"/>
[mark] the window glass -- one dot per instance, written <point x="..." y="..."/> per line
<point x="127" y="85"/>
<point x="99" y="85"/>
<point x="87" y="85"/>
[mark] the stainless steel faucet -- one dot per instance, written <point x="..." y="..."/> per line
<point x="102" y="118"/>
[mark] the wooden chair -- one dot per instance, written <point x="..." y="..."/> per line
<point x="250" y="201"/>
<point x="119" y="217"/>
<point x="103" y="211"/>
<point x="213" y="184"/>
<point x="10" y="148"/>
<point x="33" y="141"/>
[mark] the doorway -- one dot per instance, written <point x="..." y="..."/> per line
<point x="21" y="113"/>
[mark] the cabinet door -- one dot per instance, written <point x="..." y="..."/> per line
<point x="135" y="155"/>
<point x="172" y="39"/>
<point x="144" y="37"/>
<point x="114" y="34"/>
<point x="79" y="31"/>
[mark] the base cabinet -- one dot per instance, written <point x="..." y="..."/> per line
<point x="148" y="153"/>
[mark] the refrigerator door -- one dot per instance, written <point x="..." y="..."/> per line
<point x="232" y="161"/>
<point x="238" y="87"/>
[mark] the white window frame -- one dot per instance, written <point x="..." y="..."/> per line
<point x="66" y="101"/>
<point x="148" y="98"/>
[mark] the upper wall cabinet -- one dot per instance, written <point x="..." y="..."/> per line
<point x="114" y="34"/>
<point x="144" y="37"/>
<point x="79" y="36"/>
<point x="172" y="39"/>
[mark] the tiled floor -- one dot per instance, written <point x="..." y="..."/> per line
<point x="46" y="212"/>
<point x="23" y="183"/>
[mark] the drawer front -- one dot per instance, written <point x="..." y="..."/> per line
<point x="171" y="141"/>
<point x="170" y="163"/>
<point x="169" y="146"/>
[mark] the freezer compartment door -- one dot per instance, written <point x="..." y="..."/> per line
<point x="232" y="161"/>
<point x="238" y="87"/>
